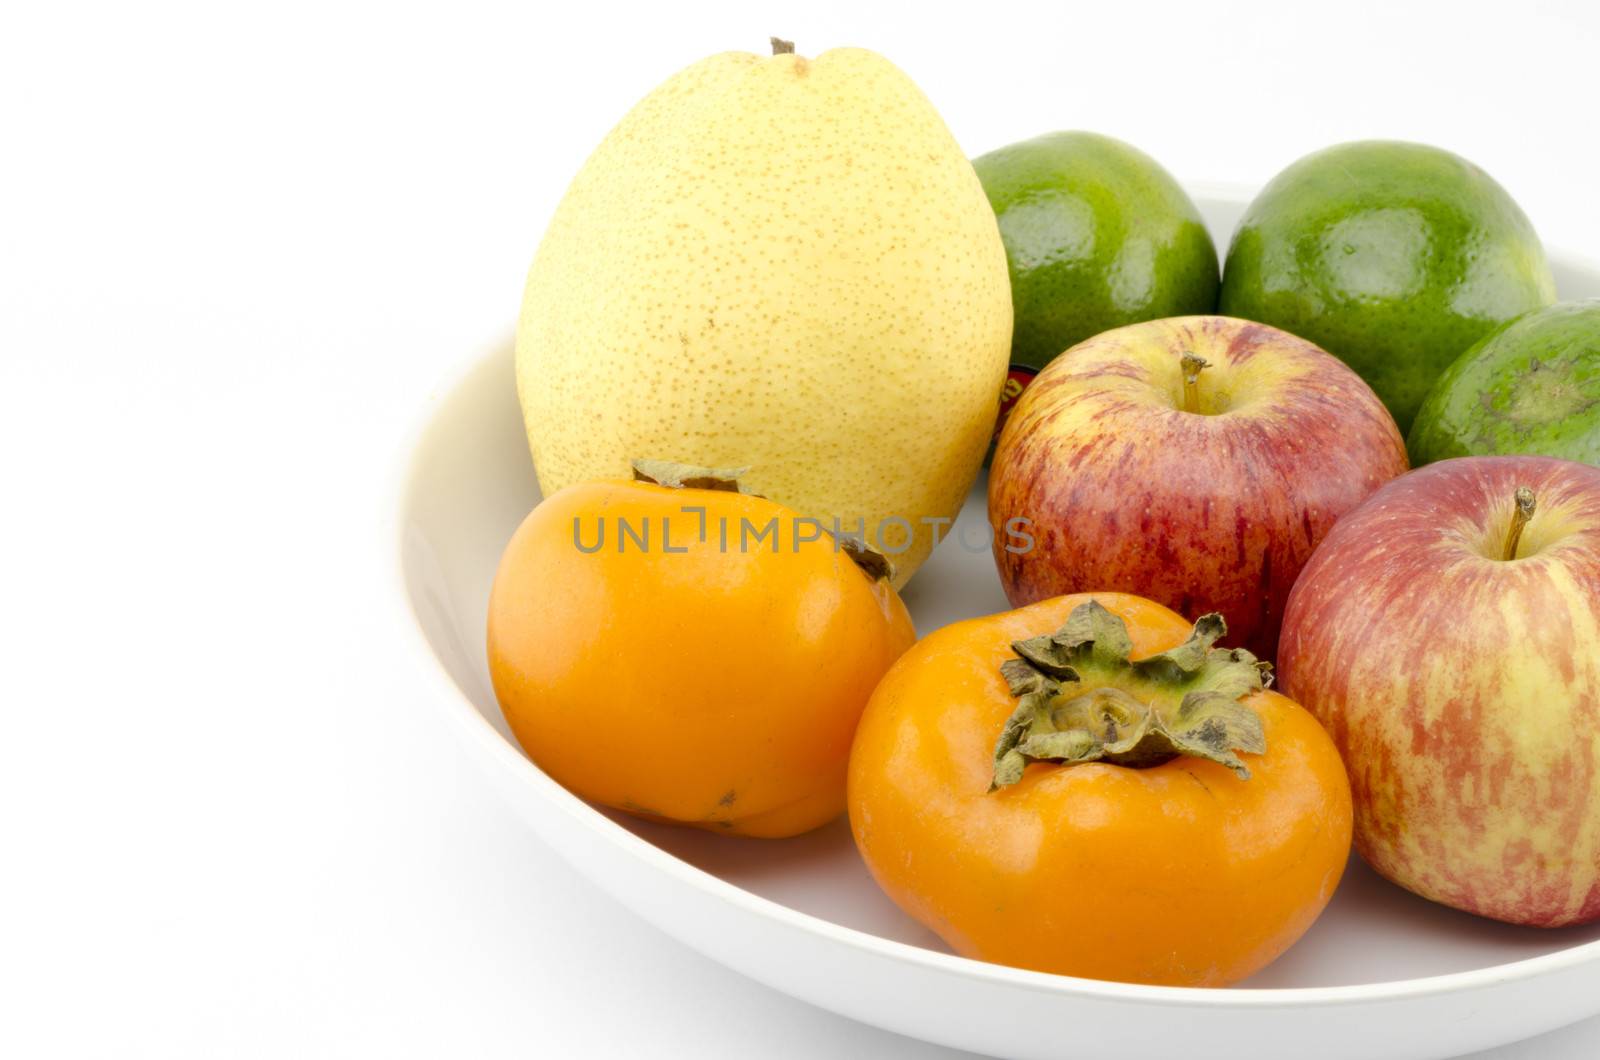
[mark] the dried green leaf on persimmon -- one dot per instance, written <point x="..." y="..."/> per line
<point x="674" y="475"/>
<point x="1092" y="635"/>
<point x="1083" y="699"/>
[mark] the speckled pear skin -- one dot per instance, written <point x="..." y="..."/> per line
<point x="1394" y="257"/>
<point x="779" y="263"/>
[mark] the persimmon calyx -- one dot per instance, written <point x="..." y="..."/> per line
<point x="690" y="477"/>
<point x="877" y="565"/>
<point x="1081" y="698"/>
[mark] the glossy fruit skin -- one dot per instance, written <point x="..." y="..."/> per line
<point x="1464" y="691"/>
<point x="1395" y="257"/>
<point x="1531" y="387"/>
<point x="1097" y="235"/>
<point x="709" y="687"/>
<point x="1123" y="490"/>
<point x="1179" y="874"/>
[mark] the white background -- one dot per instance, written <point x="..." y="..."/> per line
<point x="240" y="248"/>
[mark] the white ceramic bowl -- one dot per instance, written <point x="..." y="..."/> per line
<point x="1382" y="974"/>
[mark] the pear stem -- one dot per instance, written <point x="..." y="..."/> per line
<point x="781" y="46"/>
<point x="1192" y="364"/>
<point x="1526" y="503"/>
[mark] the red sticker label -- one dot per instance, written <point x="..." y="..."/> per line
<point x="1018" y="376"/>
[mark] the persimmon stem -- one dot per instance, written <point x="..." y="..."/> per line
<point x="782" y="47"/>
<point x="1526" y="503"/>
<point x="1192" y="364"/>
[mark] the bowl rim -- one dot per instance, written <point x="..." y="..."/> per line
<point x="472" y="727"/>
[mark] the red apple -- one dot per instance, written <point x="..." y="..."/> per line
<point x="1456" y="661"/>
<point x="1116" y="472"/>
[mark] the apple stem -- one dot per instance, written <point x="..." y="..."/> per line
<point x="1526" y="504"/>
<point x="781" y="46"/>
<point x="1192" y="363"/>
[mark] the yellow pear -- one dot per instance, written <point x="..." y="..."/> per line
<point x="783" y="264"/>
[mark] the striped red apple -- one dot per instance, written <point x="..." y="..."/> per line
<point x="1195" y="461"/>
<point x="1447" y="633"/>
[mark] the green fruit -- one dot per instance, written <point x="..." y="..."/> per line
<point x="1395" y="257"/>
<point x="1097" y="235"/>
<point x="1531" y="387"/>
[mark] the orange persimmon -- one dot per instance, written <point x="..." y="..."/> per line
<point x="689" y="653"/>
<point x="1088" y="786"/>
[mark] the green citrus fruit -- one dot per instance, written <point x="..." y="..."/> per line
<point x="1396" y="257"/>
<point x="1531" y="387"/>
<point x="1097" y="235"/>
